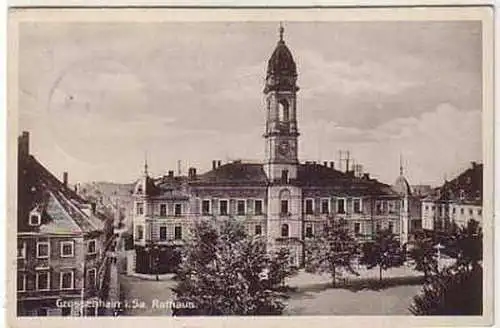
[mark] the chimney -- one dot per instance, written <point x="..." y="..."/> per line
<point x="474" y="164"/>
<point x="219" y="163"/>
<point x="325" y="163"/>
<point x="192" y="173"/>
<point x="366" y="176"/>
<point x="170" y="174"/>
<point x="24" y="144"/>
<point x="332" y="165"/>
<point x="65" y="179"/>
<point x="214" y="165"/>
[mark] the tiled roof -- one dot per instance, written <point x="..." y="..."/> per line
<point x="465" y="188"/>
<point x="233" y="174"/>
<point x="309" y="175"/>
<point x="39" y="189"/>
<point x="317" y="175"/>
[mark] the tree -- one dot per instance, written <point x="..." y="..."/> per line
<point x="333" y="251"/>
<point x="423" y="253"/>
<point x="457" y="289"/>
<point x="225" y="272"/>
<point x="383" y="251"/>
<point x="452" y="291"/>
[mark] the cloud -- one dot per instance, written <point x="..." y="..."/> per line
<point x="347" y="78"/>
<point x="434" y="144"/>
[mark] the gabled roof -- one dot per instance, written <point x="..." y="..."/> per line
<point x="40" y="190"/>
<point x="467" y="187"/>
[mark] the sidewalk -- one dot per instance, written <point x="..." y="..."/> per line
<point x="166" y="276"/>
<point x="114" y="287"/>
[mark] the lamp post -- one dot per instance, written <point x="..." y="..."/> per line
<point x="438" y="248"/>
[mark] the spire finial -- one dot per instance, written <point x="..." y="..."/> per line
<point x="282" y="30"/>
<point x="145" y="163"/>
<point x="401" y="172"/>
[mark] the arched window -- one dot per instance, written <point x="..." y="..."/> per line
<point x="284" y="113"/>
<point x="284" y="230"/>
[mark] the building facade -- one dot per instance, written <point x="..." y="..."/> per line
<point x="457" y="201"/>
<point x="281" y="198"/>
<point x="61" y="244"/>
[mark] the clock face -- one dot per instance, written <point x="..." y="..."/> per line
<point x="284" y="148"/>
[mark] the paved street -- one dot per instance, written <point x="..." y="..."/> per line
<point x="146" y="297"/>
<point x="313" y="295"/>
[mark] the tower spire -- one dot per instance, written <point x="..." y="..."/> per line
<point x="146" y="163"/>
<point x="401" y="171"/>
<point x="282" y="30"/>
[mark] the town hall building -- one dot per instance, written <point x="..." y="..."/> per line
<point x="282" y="199"/>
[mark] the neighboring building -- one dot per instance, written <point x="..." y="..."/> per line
<point x="410" y="210"/>
<point x="421" y="190"/>
<point x="282" y="199"/>
<point x="61" y="243"/>
<point x="458" y="200"/>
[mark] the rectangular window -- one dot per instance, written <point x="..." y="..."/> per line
<point x="66" y="280"/>
<point x="21" y="281"/>
<point x="178" y="210"/>
<point x="462" y="211"/>
<point x="163" y="233"/>
<point x="91" y="277"/>
<point x="163" y="209"/>
<point x="453" y="210"/>
<point x="21" y="249"/>
<point x="284" y="176"/>
<point x="35" y="219"/>
<point x="42" y="281"/>
<point x="479" y="212"/>
<point x="357" y="227"/>
<point x="377" y="227"/>
<point x="205" y="207"/>
<point x="91" y="247"/>
<point x="240" y="207"/>
<point x="378" y="208"/>
<point x="391" y="227"/>
<point x="258" y="230"/>
<point x="258" y="207"/>
<point x="471" y="212"/>
<point x="309" y="231"/>
<point x="340" y="205"/>
<point x="223" y="207"/>
<point x="139" y="208"/>
<point x="356" y="205"/>
<point x="42" y="250"/>
<point x="426" y="207"/>
<point x="67" y="249"/>
<point x="309" y="206"/>
<point x="325" y="206"/>
<point x="178" y="233"/>
<point x="139" y="232"/>
<point x="284" y="207"/>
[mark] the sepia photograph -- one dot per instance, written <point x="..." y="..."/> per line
<point x="249" y="164"/>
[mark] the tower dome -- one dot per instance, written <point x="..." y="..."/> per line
<point x="401" y="186"/>
<point x="281" y="68"/>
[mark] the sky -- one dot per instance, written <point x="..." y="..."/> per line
<point x="99" y="98"/>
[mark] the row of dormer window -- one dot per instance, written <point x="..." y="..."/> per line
<point x="42" y="279"/>
<point x="66" y="249"/>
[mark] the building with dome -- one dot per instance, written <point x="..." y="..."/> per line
<point x="279" y="197"/>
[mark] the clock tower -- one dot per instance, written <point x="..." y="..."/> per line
<point x="281" y="122"/>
